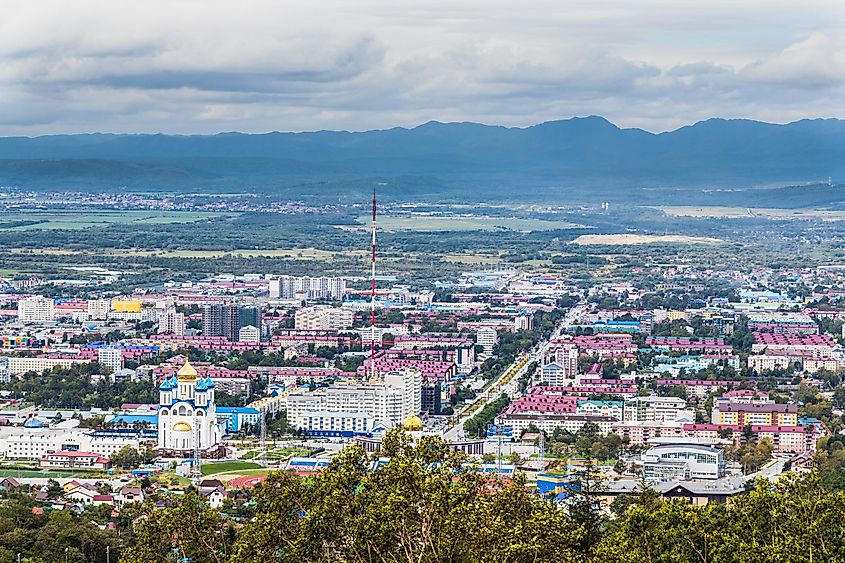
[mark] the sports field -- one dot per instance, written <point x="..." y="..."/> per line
<point x="212" y="468"/>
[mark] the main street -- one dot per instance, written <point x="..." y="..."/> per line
<point x="508" y="381"/>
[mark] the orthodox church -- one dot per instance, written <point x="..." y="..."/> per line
<point x="186" y="414"/>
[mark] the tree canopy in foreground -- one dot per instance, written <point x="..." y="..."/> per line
<point x="424" y="506"/>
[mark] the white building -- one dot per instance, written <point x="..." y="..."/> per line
<point x="523" y="322"/>
<point x="111" y="358"/>
<point x="487" y="338"/>
<point x="18" y="365"/>
<point x="36" y="309"/>
<point x="764" y="362"/>
<point x="34" y="444"/>
<point x="187" y="417"/>
<point x="683" y="461"/>
<point x="654" y="409"/>
<point x="556" y="374"/>
<point x="171" y="322"/>
<point x="250" y="334"/>
<point x="390" y="401"/>
<point x="521" y="422"/>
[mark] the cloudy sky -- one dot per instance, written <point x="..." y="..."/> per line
<point x="203" y="66"/>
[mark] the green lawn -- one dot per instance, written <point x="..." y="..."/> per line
<point x="225" y="466"/>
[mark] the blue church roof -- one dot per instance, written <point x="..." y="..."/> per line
<point x="169" y="384"/>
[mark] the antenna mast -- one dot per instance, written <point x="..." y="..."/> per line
<point x="373" y="296"/>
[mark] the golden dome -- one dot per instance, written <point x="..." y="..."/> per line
<point x="182" y="427"/>
<point x="412" y="424"/>
<point x="187" y="372"/>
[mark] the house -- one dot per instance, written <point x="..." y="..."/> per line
<point x="98" y="500"/>
<point x="129" y="495"/>
<point x="9" y="484"/>
<point x="215" y="498"/>
<point x="214" y="491"/>
<point x="83" y="494"/>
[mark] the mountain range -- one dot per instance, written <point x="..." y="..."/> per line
<point x="551" y="159"/>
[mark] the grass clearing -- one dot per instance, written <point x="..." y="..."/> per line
<point x="472" y="259"/>
<point x="433" y="223"/>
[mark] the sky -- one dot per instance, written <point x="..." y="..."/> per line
<point x="206" y="66"/>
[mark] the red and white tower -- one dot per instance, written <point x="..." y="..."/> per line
<point x="373" y="296"/>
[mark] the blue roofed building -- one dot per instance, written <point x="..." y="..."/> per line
<point x="234" y="419"/>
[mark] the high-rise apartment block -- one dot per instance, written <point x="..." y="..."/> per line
<point x="487" y="338"/>
<point x="228" y="319"/>
<point x="36" y="309"/>
<point x="98" y="309"/>
<point x="171" y="322"/>
<point x="111" y="358"/>
<point x="293" y="287"/>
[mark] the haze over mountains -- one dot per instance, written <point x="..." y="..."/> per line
<point x="551" y="160"/>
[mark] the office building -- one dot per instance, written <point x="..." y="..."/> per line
<point x="683" y="461"/>
<point x="249" y="316"/>
<point x="654" y="409"/>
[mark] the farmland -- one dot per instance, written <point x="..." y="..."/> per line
<point x="58" y="219"/>
<point x="435" y="223"/>
<point x="622" y="239"/>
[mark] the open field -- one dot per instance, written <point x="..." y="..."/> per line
<point x="433" y="223"/>
<point x="74" y="220"/>
<point x="643" y="239"/>
<point x="472" y="258"/>
<point x="746" y="212"/>
<point x="302" y="253"/>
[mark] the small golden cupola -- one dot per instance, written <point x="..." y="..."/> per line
<point x="187" y="373"/>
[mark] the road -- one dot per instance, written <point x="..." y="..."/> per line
<point x="508" y="381"/>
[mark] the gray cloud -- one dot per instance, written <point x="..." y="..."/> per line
<point x="201" y="66"/>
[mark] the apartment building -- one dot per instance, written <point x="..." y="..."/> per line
<point x="742" y="414"/>
<point x="389" y="400"/>
<point x="305" y="287"/>
<point x="171" y="322"/>
<point x="323" y="317"/>
<point x="654" y="409"/>
<point x="36" y="309"/>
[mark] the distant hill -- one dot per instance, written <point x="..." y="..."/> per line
<point x="550" y="160"/>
